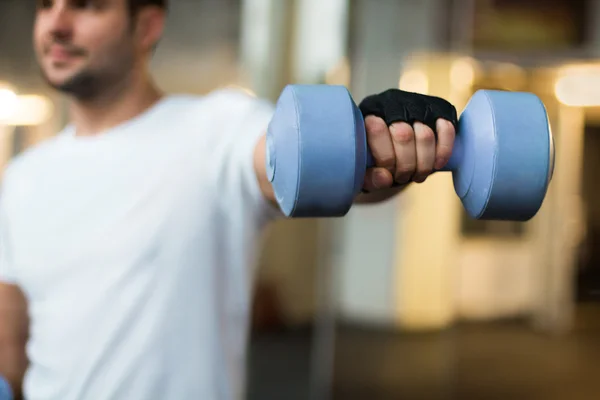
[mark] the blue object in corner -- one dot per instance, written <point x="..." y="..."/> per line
<point x="5" y="389"/>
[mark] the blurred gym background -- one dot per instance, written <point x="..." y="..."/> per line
<point x="408" y="299"/>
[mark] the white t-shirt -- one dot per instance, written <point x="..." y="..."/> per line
<point x="136" y="251"/>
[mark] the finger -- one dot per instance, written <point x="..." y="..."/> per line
<point x="380" y="143"/>
<point x="445" y="142"/>
<point x="403" y="138"/>
<point x="425" y="144"/>
<point x="377" y="178"/>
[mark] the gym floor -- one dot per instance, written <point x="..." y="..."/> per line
<point x="503" y="360"/>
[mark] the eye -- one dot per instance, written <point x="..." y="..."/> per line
<point x="76" y="4"/>
<point x="87" y="4"/>
<point x="79" y="4"/>
<point x="44" y="4"/>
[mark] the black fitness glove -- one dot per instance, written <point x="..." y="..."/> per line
<point x="395" y="105"/>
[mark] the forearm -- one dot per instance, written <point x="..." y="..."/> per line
<point x="13" y="364"/>
<point x="260" y="168"/>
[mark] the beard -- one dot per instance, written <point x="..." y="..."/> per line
<point x="84" y="85"/>
<point x="92" y="83"/>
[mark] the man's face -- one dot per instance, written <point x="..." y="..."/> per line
<point x="84" y="46"/>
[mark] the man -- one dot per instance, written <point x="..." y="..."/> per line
<point x="127" y="241"/>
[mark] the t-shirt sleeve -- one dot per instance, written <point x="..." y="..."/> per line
<point x="249" y="119"/>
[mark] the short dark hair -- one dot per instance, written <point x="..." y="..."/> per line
<point x="136" y="5"/>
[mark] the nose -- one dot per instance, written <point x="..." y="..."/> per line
<point x="60" y="21"/>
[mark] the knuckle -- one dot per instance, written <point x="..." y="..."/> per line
<point x="451" y="132"/>
<point x="450" y="127"/>
<point x="402" y="133"/>
<point x="375" y="125"/>
<point x="426" y="135"/>
<point x="446" y="134"/>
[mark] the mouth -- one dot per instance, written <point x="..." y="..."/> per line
<point x="62" y="54"/>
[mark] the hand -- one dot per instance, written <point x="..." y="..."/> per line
<point x="405" y="153"/>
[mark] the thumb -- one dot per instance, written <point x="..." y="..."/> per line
<point x="377" y="179"/>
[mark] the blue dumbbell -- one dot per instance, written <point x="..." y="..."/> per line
<point x="317" y="153"/>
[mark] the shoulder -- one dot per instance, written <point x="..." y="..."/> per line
<point x="232" y="100"/>
<point x="233" y="96"/>
<point x="222" y="113"/>
<point x="239" y="109"/>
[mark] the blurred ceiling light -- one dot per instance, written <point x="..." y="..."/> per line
<point x="32" y="110"/>
<point x="462" y="73"/>
<point x="579" y="86"/>
<point x="8" y="104"/>
<point x="6" y="85"/>
<point x="414" y="81"/>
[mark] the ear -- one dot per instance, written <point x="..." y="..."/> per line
<point x="150" y="26"/>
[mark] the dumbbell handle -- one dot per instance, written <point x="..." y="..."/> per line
<point x="454" y="161"/>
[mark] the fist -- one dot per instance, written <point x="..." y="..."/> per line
<point x="406" y="153"/>
<point x="409" y="135"/>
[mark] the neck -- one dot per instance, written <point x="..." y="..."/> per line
<point x="123" y="102"/>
